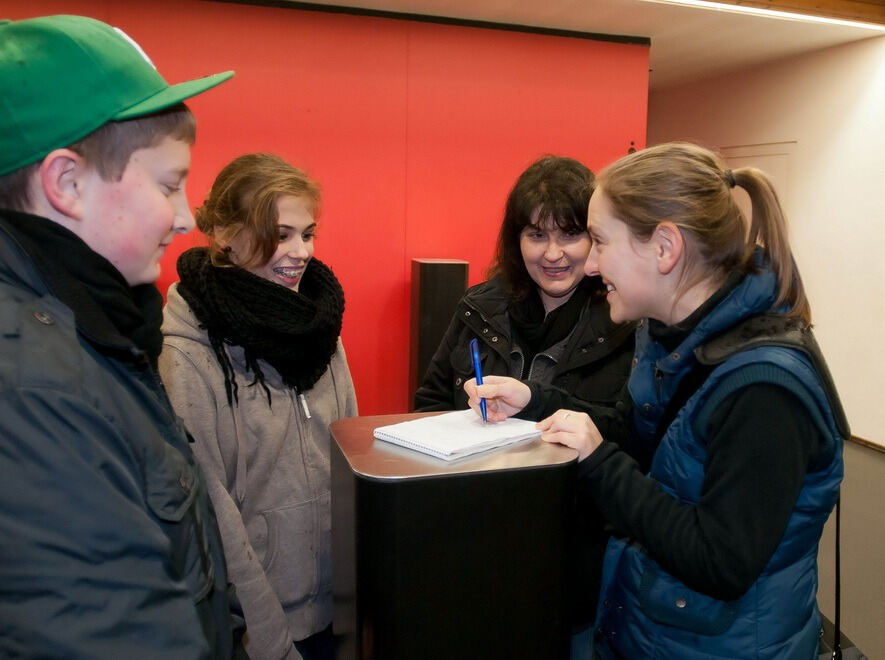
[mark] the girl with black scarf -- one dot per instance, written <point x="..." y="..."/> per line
<point x="254" y="364"/>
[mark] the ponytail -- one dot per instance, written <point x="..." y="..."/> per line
<point x="768" y="228"/>
<point x="691" y="187"/>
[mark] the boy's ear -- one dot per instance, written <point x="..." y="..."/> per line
<point x="669" y="246"/>
<point x="60" y="177"/>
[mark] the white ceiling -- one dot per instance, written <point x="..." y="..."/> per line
<point x="687" y="43"/>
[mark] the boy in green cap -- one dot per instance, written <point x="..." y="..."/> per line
<point x="108" y="543"/>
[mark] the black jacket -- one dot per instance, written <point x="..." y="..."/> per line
<point x="586" y="371"/>
<point x="108" y="543"/>
<point x="591" y="366"/>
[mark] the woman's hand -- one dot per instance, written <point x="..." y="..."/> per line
<point x="572" y="429"/>
<point x="504" y="396"/>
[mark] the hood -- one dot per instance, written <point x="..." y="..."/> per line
<point x="179" y="320"/>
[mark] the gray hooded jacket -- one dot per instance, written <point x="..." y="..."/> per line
<point x="268" y="474"/>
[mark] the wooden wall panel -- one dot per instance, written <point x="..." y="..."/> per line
<point x="865" y="11"/>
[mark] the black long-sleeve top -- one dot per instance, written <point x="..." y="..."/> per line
<point x="761" y="442"/>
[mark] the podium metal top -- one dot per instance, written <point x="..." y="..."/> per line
<point x="376" y="459"/>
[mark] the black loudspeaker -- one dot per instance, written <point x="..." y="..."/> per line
<point x="437" y="286"/>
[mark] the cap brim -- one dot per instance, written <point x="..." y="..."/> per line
<point x="172" y="95"/>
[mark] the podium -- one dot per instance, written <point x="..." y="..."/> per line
<point x="442" y="560"/>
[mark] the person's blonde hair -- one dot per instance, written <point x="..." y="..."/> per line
<point x="691" y="187"/>
<point x="244" y="198"/>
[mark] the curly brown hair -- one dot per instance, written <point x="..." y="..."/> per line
<point x="243" y="201"/>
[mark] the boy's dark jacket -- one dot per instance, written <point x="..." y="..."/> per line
<point x="108" y="544"/>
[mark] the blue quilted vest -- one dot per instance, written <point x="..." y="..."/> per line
<point x="646" y="613"/>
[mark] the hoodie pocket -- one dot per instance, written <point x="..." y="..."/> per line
<point x="291" y="562"/>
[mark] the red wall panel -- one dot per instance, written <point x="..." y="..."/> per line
<point x="415" y="130"/>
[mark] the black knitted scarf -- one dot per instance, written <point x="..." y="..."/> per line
<point x="296" y="332"/>
<point x="109" y="312"/>
<point x="536" y="331"/>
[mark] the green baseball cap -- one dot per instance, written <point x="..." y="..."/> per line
<point x="62" y="77"/>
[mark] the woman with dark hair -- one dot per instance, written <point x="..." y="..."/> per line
<point x="541" y="320"/>
<point x="253" y="363"/>
<point x="538" y="318"/>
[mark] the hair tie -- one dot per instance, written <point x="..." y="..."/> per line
<point x="729" y="179"/>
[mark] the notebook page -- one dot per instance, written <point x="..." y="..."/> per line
<point x="456" y="434"/>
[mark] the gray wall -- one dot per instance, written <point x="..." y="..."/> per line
<point x="815" y="123"/>
<point x="863" y="551"/>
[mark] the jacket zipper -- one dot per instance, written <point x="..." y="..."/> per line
<point x="532" y="365"/>
<point x="304" y="406"/>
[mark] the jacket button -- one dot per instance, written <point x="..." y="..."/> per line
<point x="485" y="331"/>
<point x="674" y="357"/>
<point x="680" y="602"/>
<point x="44" y="318"/>
<point x="494" y="339"/>
<point x="646" y="408"/>
<point x="600" y="340"/>
<point x="635" y="361"/>
<point x="466" y="313"/>
<point x="457" y="382"/>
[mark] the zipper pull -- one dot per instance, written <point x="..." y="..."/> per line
<point x="304" y="406"/>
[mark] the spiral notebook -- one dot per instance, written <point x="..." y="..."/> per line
<point x="456" y="434"/>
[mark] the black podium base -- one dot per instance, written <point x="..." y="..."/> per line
<point x="451" y="565"/>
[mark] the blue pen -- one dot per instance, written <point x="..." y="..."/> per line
<point x="477" y="368"/>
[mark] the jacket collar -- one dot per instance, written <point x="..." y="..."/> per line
<point x="24" y="266"/>
<point x="755" y="294"/>
<point x="596" y="332"/>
